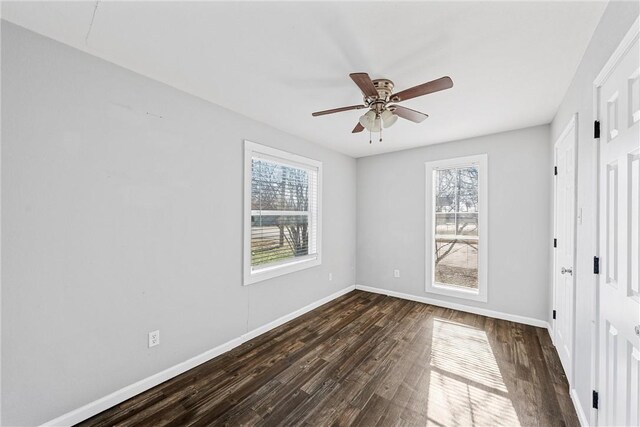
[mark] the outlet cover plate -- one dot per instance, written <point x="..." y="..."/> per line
<point x="154" y="338"/>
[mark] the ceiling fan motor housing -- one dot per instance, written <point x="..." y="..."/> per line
<point x="384" y="88"/>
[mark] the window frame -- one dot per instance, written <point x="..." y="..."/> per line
<point x="481" y="160"/>
<point x="251" y="150"/>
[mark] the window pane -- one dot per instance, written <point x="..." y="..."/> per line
<point x="467" y="224"/>
<point x="275" y="238"/>
<point x="278" y="187"/>
<point x="456" y="226"/>
<point x="445" y="223"/>
<point x="445" y="190"/>
<point x="280" y="212"/>
<point x="468" y="189"/>
<point x="457" y="262"/>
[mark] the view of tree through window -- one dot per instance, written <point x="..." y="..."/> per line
<point x="456" y="226"/>
<point x="282" y="199"/>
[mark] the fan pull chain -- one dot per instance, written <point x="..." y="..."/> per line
<point x="369" y="136"/>
<point x="380" y="132"/>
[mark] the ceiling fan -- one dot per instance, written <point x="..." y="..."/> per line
<point x="378" y="94"/>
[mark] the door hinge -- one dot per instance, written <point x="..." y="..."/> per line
<point x="555" y="243"/>
<point x="596" y="265"/>
<point x="554" y="314"/>
<point x="596" y="129"/>
<point x="594" y="399"/>
<point x="555" y="170"/>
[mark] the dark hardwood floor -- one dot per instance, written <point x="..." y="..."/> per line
<point x="367" y="359"/>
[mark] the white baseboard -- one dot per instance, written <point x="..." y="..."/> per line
<point x="119" y="396"/>
<point x="582" y="417"/>
<point x="550" y="329"/>
<point x="287" y="317"/>
<point x="461" y="307"/>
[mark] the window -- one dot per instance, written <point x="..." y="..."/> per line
<point x="456" y="227"/>
<point x="282" y="212"/>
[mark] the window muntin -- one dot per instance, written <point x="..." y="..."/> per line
<point x="456" y="227"/>
<point x="282" y="224"/>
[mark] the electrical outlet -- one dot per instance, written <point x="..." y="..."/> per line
<point x="396" y="273"/>
<point x="154" y="338"/>
<point x="330" y="276"/>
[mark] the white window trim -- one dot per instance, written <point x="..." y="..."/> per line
<point x="483" y="210"/>
<point x="250" y="277"/>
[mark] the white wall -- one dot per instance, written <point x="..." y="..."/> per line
<point x="615" y="22"/>
<point x="117" y="222"/>
<point x="391" y="217"/>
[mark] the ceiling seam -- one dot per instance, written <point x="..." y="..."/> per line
<point x="93" y="17"/>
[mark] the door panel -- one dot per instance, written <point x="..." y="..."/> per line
<point x="633" y="384"/>
<point x="611" y="251"/>
<point x="619" y="314"/>
<point x="613" y="371"/>
<point x="564" y="294"/>
<point x="634" y="224"/>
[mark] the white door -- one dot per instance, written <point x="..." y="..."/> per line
<point x="565" y="160"/>
<point x="619" y="240"/>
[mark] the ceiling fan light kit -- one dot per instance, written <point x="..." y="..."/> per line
<point x="388" y="118"/>
<point x="377" y="96"/>
<point x="370" y="121"/>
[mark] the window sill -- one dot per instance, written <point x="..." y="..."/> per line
<point x="270" y="272"/>
<point x="457" y="292"/>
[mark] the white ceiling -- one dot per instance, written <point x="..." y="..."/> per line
<point x="276" y="62"/>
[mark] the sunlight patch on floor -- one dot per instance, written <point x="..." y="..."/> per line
<point x="466" y="387"/>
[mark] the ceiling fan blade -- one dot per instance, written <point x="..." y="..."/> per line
<point x="365" y="84"/>
<point x="423" y="89"/>
<point x="358" y="128"/>
<point x="408" y="113"/>
<point x="338" y="110"/>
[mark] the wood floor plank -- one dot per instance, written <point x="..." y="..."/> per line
<point x="368" y="359"/>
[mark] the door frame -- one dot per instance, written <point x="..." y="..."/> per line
<point x="619" y="53"/>
<point x="571" y="125"/>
